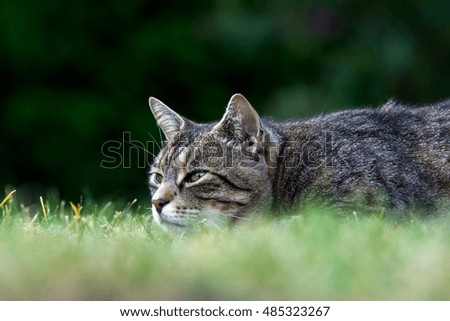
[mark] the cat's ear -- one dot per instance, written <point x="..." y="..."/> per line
<point x="240" y="120"/>
<point x="169" y="121"/>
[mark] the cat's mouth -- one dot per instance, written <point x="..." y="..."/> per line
<point x="168" y="220"/>
<point x="182" y="222"/>
<point x="171" y="219"/>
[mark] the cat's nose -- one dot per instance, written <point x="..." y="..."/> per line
<point x="159" y="204"/>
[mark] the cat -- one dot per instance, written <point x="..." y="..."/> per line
<point x="207" y="174"/>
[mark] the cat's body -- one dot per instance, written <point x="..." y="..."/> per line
<point x="208" y="172"/>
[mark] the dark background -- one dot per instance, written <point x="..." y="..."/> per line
<point x="77" y="74"/>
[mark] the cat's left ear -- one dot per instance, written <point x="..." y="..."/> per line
<point x="169" y="121"/>
<point x="241" y="121"/>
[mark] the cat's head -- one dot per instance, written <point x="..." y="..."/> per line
<point x="208" y="174"/>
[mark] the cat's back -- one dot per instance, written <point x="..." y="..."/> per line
<point x="429" y="132"/>
<point x="411" y="126"/>
<point x="406" y="149"/>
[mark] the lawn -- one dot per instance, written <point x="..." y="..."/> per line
<point x="61" y="251"/>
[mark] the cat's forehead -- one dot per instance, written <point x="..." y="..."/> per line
<point x="188" y="150"/>
<point x="205" y="153"/>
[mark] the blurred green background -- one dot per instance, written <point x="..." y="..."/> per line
<point x="77" y="74"/>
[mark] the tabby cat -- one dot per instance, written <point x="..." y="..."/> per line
<point x="207" y="174"/>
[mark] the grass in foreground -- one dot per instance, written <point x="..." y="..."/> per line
<point x="63" y="251"/>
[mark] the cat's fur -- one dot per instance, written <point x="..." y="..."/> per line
<point x="207" y="173"/>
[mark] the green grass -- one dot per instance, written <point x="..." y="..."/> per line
<point x="115" y="252"/>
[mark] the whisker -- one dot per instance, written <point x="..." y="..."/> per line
<point x="142" y="148"/>
<point x="190" y="212"/>
<point x="160" y="135"/>
<point x="155" y="140"/>
<point x="235" y="216"/>
<point x="227" y="215"/>
<point x="189" y="215"/>
<point x="209" y="223"/>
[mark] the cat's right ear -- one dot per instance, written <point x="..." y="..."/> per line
<point x="169" y="121"/>
<point x="240" y="120"/>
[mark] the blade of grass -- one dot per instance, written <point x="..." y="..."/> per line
<point x="7" y="198"/>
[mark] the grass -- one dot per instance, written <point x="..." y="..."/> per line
<point x="54" y="250"/>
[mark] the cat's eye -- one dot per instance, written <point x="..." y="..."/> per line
<point x="156" y="178"/>
<point x="194" y="176"/>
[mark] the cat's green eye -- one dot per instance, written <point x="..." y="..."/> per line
<point x="156" y="178"/>
<point x="194" y="176"/>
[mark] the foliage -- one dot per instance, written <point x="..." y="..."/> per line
<point x="113" y="251"/>
<point x="76" y="74"/>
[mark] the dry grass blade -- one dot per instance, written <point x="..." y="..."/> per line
<point x="7" y="198"/>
